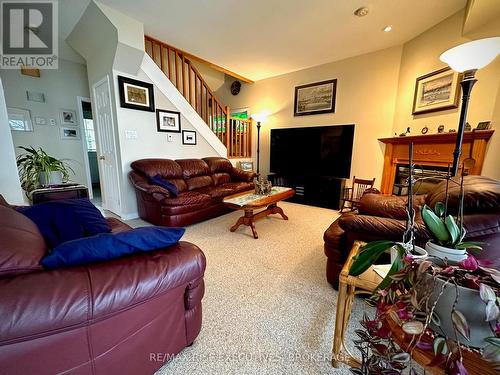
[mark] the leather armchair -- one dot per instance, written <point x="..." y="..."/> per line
<point x="104" y="318"/>
<point x="384" y="217"/>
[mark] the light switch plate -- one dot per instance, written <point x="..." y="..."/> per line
<point x="170" y="138"/>
<point x="131" y="134"/>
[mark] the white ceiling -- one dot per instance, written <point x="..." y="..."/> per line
<point x="265" y="38"/>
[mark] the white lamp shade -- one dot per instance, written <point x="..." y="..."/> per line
<point x="472" y="55"/>
<point x="260" y="117"/>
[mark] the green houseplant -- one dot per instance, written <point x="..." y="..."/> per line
<point x="37" y="168"/>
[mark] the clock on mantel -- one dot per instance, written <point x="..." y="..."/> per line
<point x="432" y="150"/>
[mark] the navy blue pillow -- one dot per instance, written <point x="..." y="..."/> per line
<point x="66" y="220"/>
<point x="160" y="181"/>
<point x="107" y="246"/>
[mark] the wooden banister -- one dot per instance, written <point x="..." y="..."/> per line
<point x="234" y="133"/>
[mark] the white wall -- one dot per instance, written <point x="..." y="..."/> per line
<point x="61" y="88"/>
<point x="10" y="187"/>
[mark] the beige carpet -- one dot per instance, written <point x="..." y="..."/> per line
<point x="268" y="308"/>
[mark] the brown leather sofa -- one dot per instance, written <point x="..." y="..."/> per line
<point x="384" y="217"/>
<point x="202" y="185"/>
<point x="123" y="316"/>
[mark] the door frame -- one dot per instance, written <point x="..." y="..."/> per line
<point x="102" y="181"/>
<point x="80" y="100"/>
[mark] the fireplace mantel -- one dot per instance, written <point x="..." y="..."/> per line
<point x="432" y="150"/>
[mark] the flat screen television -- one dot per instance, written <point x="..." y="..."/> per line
<point x="312" y="151"/>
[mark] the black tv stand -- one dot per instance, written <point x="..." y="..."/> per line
<point x="319" y="191"/>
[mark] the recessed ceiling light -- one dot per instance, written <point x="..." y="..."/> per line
<point x="361" y="12"/>
<point x="387" y="28"/>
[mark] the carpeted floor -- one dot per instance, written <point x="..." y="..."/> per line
<point x="268" y="308"/>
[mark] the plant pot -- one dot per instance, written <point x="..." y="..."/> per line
<point x="50" y="178"/>
<point x="421" y="253"/>
<point x="454" y="256"/>
<point x="469" y="304"/>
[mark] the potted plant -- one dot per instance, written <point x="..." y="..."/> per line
<point x="37" y="168"/>
<point x="447" y="242"/>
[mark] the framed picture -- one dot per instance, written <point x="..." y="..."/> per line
<point x="135" y="94"/>
<point x="67" y="117"/>
<point x="436" y="91"/>
<point x="20" y="119"/>
<point x="168" y="121"/>
<point x="315" y="98"/>
<point x="70" y="133"/>
<point x="246" y="165"/>
<point x="188" y="137"/>
<point x="483" y="125"/>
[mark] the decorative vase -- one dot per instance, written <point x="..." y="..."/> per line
<point x="50" y="178"/>
<point x="454" y="256"/>
<point x="469" y="303"/>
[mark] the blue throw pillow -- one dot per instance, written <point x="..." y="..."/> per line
<point x="66" y="220"/>
<point x="107" y="246"/>
<point x="160" y="181"/>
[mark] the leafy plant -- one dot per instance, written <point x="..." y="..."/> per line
<point x="35" y="162"/>
<point x="444" y="229"/>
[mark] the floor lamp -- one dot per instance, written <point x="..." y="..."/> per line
<point x="259" y="118"/>
<point x="467" y="58"/>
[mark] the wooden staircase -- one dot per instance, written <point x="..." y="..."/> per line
<point x="234" y="133"/>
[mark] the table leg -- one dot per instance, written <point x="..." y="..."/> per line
<point x="238" y="223"/>
<point x="274" y="209"/>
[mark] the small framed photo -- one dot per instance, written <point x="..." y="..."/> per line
<point x="246" y="165"/>
<point x="136" y="94"/>
<point x="483" y="125"/>
<point x="70" y="133"/>
<point x="315" y="98"/>
<point x="188" y="137"/>
<point x="436" y="91"/>
<point x="168" y="121"/>
<point x="20" y="119"/>
<point x="67" y="117"/>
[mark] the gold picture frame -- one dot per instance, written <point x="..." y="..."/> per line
<point x="436" y="91"/>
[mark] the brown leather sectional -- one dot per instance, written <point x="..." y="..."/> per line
<point x="123" y="316"/>
<point x="384" y="217"/>
<point x="202" y="185"/>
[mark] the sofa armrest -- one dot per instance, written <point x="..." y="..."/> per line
<point x="141" y="183"/>
<point x="42" y="303"/>
<point x="241" y="175"/>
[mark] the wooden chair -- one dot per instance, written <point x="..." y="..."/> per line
<point x="353" y="194"/>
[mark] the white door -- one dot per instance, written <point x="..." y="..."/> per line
<point x="106" y="150"/>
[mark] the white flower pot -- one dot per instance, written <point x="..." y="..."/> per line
<point x="421" y="253"/>
<point x="50" y="178"/>
<point x="453" y="256"/>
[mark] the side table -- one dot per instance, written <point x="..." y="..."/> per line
<point x="57" y="192"/>
<point x="349" y="286"/>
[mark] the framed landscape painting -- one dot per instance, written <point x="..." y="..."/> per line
<point x="436" y="91"/>
<point x="315" y="98"/>
<point x="136" y="94"/>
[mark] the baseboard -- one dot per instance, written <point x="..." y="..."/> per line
<point x="125" y="217"/>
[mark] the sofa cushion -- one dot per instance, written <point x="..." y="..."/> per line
<point x="237" y="187"/>
<point x="158" y="180"/>
<point x="187" y="197"/>
<point x="106" y="246"/>
<point x="216" y="191"/>
<point x="21" y="244"/>
<point x="218" y="164"/>
<point x="193" y="167"/>
<point x="166" y="168"/>
<point x="65" y="220"/>
<point x="221" y="178"/>
<point x="199" y="182"/>
<point x="389" y="206"/>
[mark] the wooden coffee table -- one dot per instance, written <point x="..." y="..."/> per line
<point x="249" y="201"/>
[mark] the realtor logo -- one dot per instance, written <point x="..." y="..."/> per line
<point x="29" y="34"/>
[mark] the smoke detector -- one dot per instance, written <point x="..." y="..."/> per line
<point x="361" y="12"/>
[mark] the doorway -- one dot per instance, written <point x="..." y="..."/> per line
<point x="90" y="149"/>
